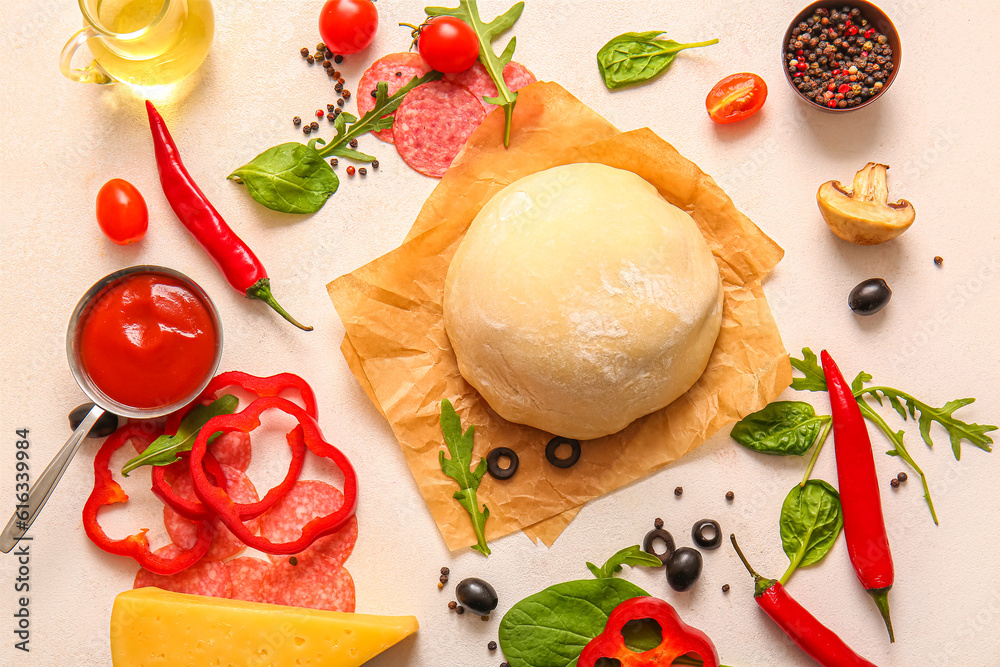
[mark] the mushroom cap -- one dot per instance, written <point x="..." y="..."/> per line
<point x="859" y="221"/>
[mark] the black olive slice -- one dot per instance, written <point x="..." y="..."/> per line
<point x="105" y="425"/>
<point x="569" y="461"/>
<point x="707" y="534"/>
<point x="662" y="535"/>
<point x="493" y="462"/>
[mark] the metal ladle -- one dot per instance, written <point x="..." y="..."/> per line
<point x="40" y="491"/>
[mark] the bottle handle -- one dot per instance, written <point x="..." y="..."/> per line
<point x="92" y="73"/>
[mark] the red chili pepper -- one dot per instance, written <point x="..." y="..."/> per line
<point x="194" y="510"/>
<point x="258" y="386"/>
<point x="678" y="638"/>
<point x="818" y="641"/>
<point x="108" y="492"/>
<point x="233" y="257"/>
<point x="864" y="525"/>
<point x="227" y="510"/>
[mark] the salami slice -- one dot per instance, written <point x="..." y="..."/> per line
<point x="307" y="500"/>
<point x="232" y="449"/>
<point x="313" y="585"/>
<point x="433" y="123"/>
<point x="396" y="69"/>
<point x="247" y="576"/>
<point x="202" y="578"/>
<point x="479" y="81"/>
<point x="184" y="532"/>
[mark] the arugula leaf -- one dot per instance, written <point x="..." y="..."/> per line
<point x="632" y="556"/>
<point x="635" y="57"/>
<point x="458" y="468"/>
<point x="784" y="428"/>
<point x="290" y="178"/>
<point x="468" y="12"/>
<point x="811" y="521"/>
<point x="163" y="451"/>
<point x="551" y="627"/>
<point x="808" y="365"/>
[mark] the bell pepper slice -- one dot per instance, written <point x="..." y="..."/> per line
<point x="194" y="510"/>
<point x="227" y="510"/>
<point x="678" y="638"/>
<point x="258" y="386"/>
<point x="108" y="492"/>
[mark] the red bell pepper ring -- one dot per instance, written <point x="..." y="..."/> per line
<point x="678" y="638"/>
<point x="108" y="492"/>
<point x="258" y="386"/>
<point x="194" y="510"/>
<point x="228" y="511"/>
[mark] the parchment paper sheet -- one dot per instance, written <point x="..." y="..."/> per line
<point x="397" y="347"/>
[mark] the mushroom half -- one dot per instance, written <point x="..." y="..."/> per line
<point x="864" y="215"/>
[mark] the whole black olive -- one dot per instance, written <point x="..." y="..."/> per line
<point x="707" y="534"/>
<point x="477" y="596"/>
<point x="869" y="297"/>
<point x="105" y="425"/>
<point x="683" y="568"/>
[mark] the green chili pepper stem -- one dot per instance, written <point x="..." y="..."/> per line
<point x="819" y="447"/>
<point x="881" y="597"/>
<point x="874" y="417"/>
<point x="261" y="290"/>
<point x="761" y="584"/>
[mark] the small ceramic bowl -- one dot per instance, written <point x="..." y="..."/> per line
<point x="878" y="20"/>
<point x="76" y="363"/>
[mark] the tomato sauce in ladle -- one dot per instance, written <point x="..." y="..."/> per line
<point x="142" y="343"/>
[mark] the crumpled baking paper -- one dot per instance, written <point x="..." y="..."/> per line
<point x="397" y="347"/>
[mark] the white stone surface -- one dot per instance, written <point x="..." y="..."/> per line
<point x="60" y="141"/>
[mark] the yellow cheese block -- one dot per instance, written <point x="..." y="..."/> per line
<point x="156" y="628"/>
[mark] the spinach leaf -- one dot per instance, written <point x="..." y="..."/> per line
<point x="632" y="556"/>
<point x="163" y="451"/>
<point x="550" y="628"/>
<point x="458" y="468"/>
<point x="290" y="178"/>
<point x="785" y="428"/>
<point x="635" y="57"/>
<point x="468" y="12"/>
<point x="811" y="521"/>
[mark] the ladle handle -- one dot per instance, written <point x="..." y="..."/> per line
<point x="40" y="491"/>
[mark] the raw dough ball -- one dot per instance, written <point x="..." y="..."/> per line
<point x="580" y="300"/>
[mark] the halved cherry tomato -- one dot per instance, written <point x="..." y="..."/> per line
<point x="736" y="97"/>
<point x="121" y="212"/>
<point x="347" y="26"/>
<point x="448" y="44"/>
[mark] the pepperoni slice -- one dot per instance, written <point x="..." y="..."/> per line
<point x="305" y="501"/>
<point x="479" y="81"/>
<point x="407" y="65"/>
<point x="433" y="123"/>
<point x="247" y="575"/>
<point x="232" y="449"/>
<point x="202" y="578"/>
<point x="184" y="532"/>
<point x="314" y="585"/>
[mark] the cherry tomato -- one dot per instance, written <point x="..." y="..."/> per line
<point x="736" y="97"/>
<point x="347" y="26"/>
<point x="448" y="44"/>
<point x="121" y="212"/>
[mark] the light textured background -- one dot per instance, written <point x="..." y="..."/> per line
<point x="59" y="142"/>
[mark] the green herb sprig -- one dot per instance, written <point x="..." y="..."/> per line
<point x="458" y="467"/>
<point x="468" y="11"/>
<point x="164" y="450"/>
<point x="636" y="57"/>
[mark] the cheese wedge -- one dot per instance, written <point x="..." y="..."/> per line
<point x="156" y="628"/>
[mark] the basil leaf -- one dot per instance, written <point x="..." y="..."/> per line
<point x="163" y="451"/>
<point x="635" y="57"/>
<point x="632" y="556"/>
<point x="811" y="520"/>
<point x="550" y="628"/>
<point x="784" y="428"/>
<point x="290" y="178"/>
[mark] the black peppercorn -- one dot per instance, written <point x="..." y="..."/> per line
<point x="338" y="87"/>
<point x="445" y="570"/>
<point x="459" y="609"/>
<point x="363" y="171"/>
<point x="314" y="126"/>
<point x="293" y="561"/>
<point x="327" y="64"/>
<point x="304" y="51"/>
<point x="338" y="59"/>
<point x="492" y="646"/>
<point x="658" y="523"/>
<point x="340" y="101"/>
<point x="452" y="604"/>
<point x="894" y="483"/>
<point x="730" y="496"/>
<point x="444" y="579"/>
<point x="679" y="490"/>
<point x="296" y="121"/>
<point x="901" y="477"/>
<point x="353" y="143"/>
<point x="307" y="129"/>
<point x="374" y="164"/>
<point x="334" y="162"/>
<point x="310" y="60"/>
<point x="347" y="94"/>
<point x="939" y="261"/>
<point x="725" y="588"/>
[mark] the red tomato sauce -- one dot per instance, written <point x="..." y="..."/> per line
<point x="147" y="340"/>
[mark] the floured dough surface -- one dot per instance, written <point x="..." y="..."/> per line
<point x="581" y="300"/>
